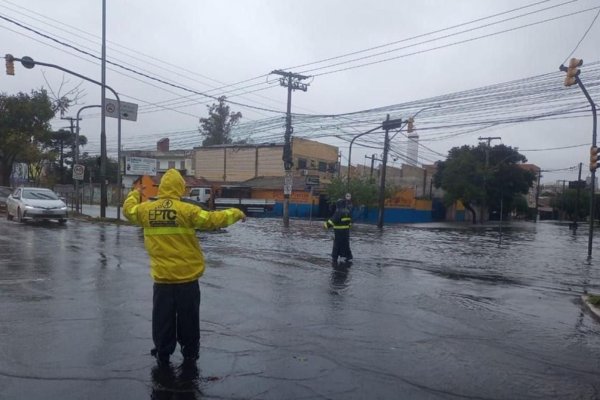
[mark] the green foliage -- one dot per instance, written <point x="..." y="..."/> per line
<point x="567" y="203"/>
<point x="216" y="128"/>
<point x="364" y="190"/>
<point x="466" y="176"/>
<point x="92" y="168"/>
<point x="594" y="300"/>
<point x="24" y="127"/>
<point x="520" y="204"/>
<point x="61" y="152"/>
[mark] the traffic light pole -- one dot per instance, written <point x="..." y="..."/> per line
<point x="593" y="170"/>
<point x="29" y="63"/>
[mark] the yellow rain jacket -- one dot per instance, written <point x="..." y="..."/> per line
<point x="170" y="229"/>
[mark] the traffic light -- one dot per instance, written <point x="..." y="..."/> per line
<point x="411" y="125"/>
<point x="593" y="158"/>
<point x="573" y="71"/>
<point x="10" y="64"/>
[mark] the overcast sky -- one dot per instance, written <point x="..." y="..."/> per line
<point x="203" y="45"/>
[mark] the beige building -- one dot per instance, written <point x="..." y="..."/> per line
<point x="241" y="162"/>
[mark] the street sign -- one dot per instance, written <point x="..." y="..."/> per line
<point x="140" y="166"/>
<point x="78" y="172"/>
<point x="128" y="110"/>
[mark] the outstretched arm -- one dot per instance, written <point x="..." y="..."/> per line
<point x="209" y="220"/>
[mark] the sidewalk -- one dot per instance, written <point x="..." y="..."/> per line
<point x="93" y="210"/>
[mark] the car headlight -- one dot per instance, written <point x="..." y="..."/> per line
<point x="63" y="208"/>
<point x="29" y="207"/>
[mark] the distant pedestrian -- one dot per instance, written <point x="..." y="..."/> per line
<point x="340" y="222"/>
<point x="176" y="262"/>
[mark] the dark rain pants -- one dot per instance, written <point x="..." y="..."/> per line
<point x="341" y="244"/>
<point x="176" y="318"/>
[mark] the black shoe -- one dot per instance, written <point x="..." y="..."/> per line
<point x="163" y="377"/>
<point x="188" y="371"/>
<point x="161" y="360"/>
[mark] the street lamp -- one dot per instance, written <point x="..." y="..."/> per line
<point x="29" y="63"/>
<point x="387" y="125"/>
<point x="350" y="151"/>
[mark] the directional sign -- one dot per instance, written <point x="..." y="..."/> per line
<point x="78" y="172"/>
<point x="140" y="166"/>
<point x="128" y="110"/>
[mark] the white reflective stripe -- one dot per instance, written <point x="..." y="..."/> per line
<point x="169" y="230"/>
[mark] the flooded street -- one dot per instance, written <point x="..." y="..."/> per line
<point x="431" y="311"/>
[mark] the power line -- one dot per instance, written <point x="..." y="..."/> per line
<point x="439" y="47"/>
<point x="132" y="69"/>
<point x="416" y="36"/>
<point x="582" y="37"/>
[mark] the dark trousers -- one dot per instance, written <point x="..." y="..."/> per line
<point x="341" y="244"/>
<point x="176" y="318"/>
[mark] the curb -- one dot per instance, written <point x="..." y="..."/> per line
<point x="595" y="310"/>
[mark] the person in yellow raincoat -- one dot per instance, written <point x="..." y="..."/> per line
<point x="176" y="262"/>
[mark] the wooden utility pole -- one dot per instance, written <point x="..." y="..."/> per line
<point x="292" y="82"/>
<point x="487" y="163"/>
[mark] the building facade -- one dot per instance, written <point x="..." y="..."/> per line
<point x="234" y="163"/>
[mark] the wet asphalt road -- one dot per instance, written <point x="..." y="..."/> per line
<point x="424" y="312"/>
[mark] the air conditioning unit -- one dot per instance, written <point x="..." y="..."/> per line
<point x="304" y="172"/>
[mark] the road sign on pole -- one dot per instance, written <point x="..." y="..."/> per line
<point x="78" y="172"/>
<point x="128" y="110"/>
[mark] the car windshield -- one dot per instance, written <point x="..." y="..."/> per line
<point x="39" y="194"/>
<point x="4" y="191"/>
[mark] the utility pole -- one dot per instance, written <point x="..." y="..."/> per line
<point x="373" y="159"/>
<point x="537" y="196"/>
<point x="75" y="149"/>
<point x="487" y="163"/>
<point x="292" y="82"/>
<point x="103" y="194"/>
<point x="562" y="199"/>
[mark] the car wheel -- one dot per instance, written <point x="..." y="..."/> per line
<point x="62" y="221"/>
<point x="19" y="215"/>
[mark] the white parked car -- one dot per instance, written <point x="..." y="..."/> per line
<point x="35" y="203"/>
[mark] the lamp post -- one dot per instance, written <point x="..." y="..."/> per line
<point x="350" y="152"/>
<point x="77" y="206"/>
<point x="387" y="125"/>
<point x="29" y="63"/>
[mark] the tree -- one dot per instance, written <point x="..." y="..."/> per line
<point x="61" y="147"/>
<point x="24" y="124"/>
<point x="567" y="203"/>
<point x="216" y="128"/>
<point x="465" y="176"/>
<point x="364" y="190"/>
<point x="92" y="168"/>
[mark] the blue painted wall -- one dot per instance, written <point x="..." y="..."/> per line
<point x="362" y="215"/>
